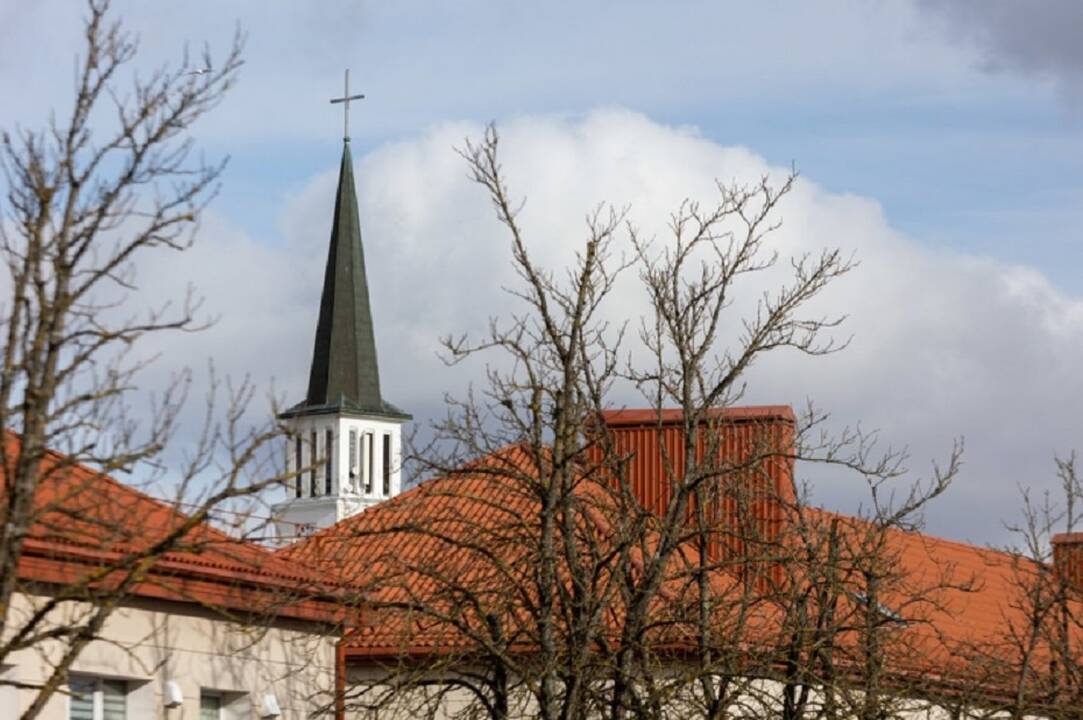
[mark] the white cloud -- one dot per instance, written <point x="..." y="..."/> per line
<point x="944" y="345"/>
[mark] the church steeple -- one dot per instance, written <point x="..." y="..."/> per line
<point x="344" y="375"/>
<point x="345" y="440"/>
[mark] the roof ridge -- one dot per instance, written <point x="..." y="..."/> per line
<point x="962" y="544"/>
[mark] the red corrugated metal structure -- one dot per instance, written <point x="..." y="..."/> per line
<point x="745" y="454"/>
<point x="1068" y="557"/>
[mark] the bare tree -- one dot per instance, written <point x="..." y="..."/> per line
<point x="601" y="584"/>
<point x="110" y="181"/>
<point x="553" y="585"/>
<point x="1037" y="663"/>
<point x="695" y="368"/>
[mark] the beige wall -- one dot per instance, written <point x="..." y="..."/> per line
<point x="148" y="643"/>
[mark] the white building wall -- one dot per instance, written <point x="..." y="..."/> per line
<point x="147" y="643"/>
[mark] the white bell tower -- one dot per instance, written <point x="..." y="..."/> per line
<point x="339" y="465"/>
<point x="345" y="443"/>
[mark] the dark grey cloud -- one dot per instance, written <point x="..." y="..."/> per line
<point x="1041" y="37"/>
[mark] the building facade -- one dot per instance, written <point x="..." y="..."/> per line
<point x="128" y="609"/>
<point x="169" y="660"/>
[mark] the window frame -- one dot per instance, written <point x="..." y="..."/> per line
<point x="368" y="447"/>
<point x="352" y="470"/>
<point x="386" y="464"/>
<point x="328" y="466"/>
<point x="206" y="694"/>
<point x="97" y="694"/>
<point x="298" y="463"/>
<point x="312" y="464"/>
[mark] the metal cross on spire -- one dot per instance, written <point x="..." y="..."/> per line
<point x="345" y="100"/>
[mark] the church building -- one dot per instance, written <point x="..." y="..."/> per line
<point x="345" y="439"/>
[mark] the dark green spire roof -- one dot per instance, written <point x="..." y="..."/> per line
<point x="344" y="375"/>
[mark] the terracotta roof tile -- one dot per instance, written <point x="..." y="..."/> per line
<point x="86" y="520"/>
<point x="467" y="527"/>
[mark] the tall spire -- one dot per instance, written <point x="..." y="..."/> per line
<point x="344" y="376"/>
<point x="344" y="447"/>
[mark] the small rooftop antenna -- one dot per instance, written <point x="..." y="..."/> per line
<point x="345" y="100"/>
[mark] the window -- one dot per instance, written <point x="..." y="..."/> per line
<point x="97" y="699"/>
<point x="368" y="460"/>
<point x="353" y="459"/>
<point x="387" y="464"/>
<point x="312" y="463"/>
<point x="328" y="450"/>
<point x="298" y="463"/>
<point x="210" y="706"/>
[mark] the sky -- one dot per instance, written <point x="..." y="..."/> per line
<point x="940" y="141"/>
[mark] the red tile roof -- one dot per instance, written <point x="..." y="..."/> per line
<point x="461" y="531"/>
<point x="957" y="599"/>
<point x="86" y="523"/>
<point x="468" y="534"/>
<point x="458" y="537"/>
